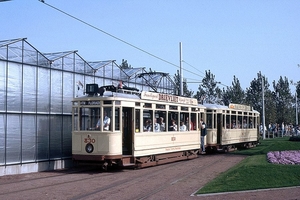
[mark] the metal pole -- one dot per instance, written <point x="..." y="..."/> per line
<point x="263" y="99"/>
<point x="181" y="74"/>
<point x="296" y="109"/>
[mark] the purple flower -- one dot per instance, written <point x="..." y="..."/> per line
<point x="284" y="157"/>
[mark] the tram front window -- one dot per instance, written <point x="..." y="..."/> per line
<point x="92" y="119"/>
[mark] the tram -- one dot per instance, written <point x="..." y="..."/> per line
<point x="125" y="127"/>
<point x="231" y="127"/>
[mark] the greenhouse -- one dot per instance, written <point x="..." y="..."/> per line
<point x="36" y="90"/>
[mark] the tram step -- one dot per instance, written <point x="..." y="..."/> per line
<point x="129" y="165"/>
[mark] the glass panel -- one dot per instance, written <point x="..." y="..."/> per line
<point x="147" y="120"/>
<point x="68" y="90"/>
<point x="2" y="138"/>
<point x="117" y="119"/>
<point x="55" y="136"/>
<point x="14" y="87"/>
<point x="13" y="142"/>
<point x="67" y="136"/>
<point x="161" y="116"/>
<point x="56" y="91"/>
<point x="79" y="89"/>
<point x="173" y="121"/>
<point x="240" y="119"/>
<point x="29" y="89"/>
<point x="28" y="138"/>
<point x="227" y="121"/>
<point x="107" y="119"/>
<point x="184" y="122"/>
<point x="209" y="120"/>
<point x="75" y="122"/>
<point x="193" y="121"/>
<point x="43" y="90"/>
<point x="233" y="121"/>
<point x="43" y="137"/>
<point x="137" y="120"/>
<point x="2" y="87"/>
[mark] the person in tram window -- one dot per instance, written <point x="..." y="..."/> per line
<point x="156" y="126"/>
<point x="106" y="122"/>
<point x="182" y="126"/>
<point x="162" y="124"/>
<point x="147" y="126"/>
<point x="245" y="125"/>
<point x="173" y="126"/>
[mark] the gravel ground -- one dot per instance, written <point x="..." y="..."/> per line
<point x="179" y="180"/>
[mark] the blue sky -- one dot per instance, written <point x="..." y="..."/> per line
<point x="229" y="38"/>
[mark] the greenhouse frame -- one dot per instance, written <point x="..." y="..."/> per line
<point x="36" y="90"/>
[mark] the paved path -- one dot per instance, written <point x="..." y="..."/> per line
<point x="179" y="180"/>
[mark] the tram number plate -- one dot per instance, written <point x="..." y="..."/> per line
<point x="173" y="138"/>
<point x="89" y="139"/>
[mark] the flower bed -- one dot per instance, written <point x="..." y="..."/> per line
<point x="284" y="157"/>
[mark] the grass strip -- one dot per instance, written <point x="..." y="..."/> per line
<point x="255" y="172"/>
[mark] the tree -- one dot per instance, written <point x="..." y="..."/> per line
<point x="208" y="91"/>
<point x="283" y="100"/>
<point x="254" y="92"/>
<point x="186" y="91"/>
<point x="234" y="93"/>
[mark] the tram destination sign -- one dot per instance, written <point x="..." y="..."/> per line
<point x="168" y="98"/>
<point x="240" y="107"/>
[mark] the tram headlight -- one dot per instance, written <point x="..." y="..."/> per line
<point x="89" y="148"/>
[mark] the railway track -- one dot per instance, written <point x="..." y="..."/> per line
<point x="179" y="179"/>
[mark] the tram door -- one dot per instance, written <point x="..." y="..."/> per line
<point x="219" y="128"/>
<point x="127" y="130"/>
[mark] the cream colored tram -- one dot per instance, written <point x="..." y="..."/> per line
<point x="145" y="128"/>
<point x="230" y="127"/>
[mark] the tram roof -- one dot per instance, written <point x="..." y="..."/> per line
<point x="215" y="106"/>
<point x="108" y="94"/>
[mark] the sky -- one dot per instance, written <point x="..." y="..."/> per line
<point x="230" y="38"/>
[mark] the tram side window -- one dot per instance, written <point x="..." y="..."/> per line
<point x="192" y="122"/>
<point x="233" y="121"/>
<point x="75" y="119"/>
<point x="137" y="120"/>
<point x="147" y="120"/>
<point x="252" y="122"/>
<point x="172" y="121"/>
<point x="245" y="122"/>
<point x="228" y="121"/>
<point x="88" y="118"/>
<point x="160" y="117"/>
<point x="209" y="120"/>
<point x="184" y="122"/>
<point x="104" y="122"/>
<point x="239" y="122"/>
<point x="117" y="119"/>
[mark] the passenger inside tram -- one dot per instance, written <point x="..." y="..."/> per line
<point x="156" y="126"/>
<point x="162" y="124"/>
<point x="147" y="125"/>
<point x="173" y="126"/>
<point x="106" y="122"/>
<point x="182" y="126"/>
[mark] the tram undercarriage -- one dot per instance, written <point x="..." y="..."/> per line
<point x="230" y="147"/>
<point x="128" y="161"/>
<point x="153" y="160"/>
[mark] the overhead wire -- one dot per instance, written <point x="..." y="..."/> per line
<point x="121" y="40"/>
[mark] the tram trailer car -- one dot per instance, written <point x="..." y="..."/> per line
<point x="231" y="127"/>
<point x="125" y="127"/>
